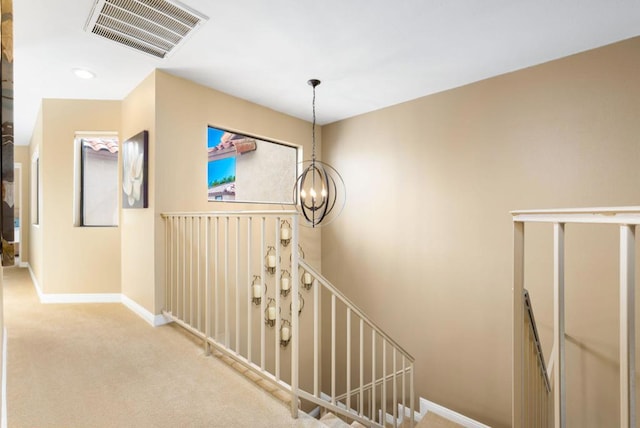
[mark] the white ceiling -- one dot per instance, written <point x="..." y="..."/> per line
<point x="368" y="53"/>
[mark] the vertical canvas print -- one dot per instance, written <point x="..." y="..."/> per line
<point x="134" y="171"/>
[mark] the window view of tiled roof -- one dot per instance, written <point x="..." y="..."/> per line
<point x="97" y="144"/>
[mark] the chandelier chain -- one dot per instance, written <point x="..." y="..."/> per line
<point x="313" y="129"/>
<point x="319" y="186"/>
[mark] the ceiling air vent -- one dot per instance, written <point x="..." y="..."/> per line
<point x="155" y="27"/>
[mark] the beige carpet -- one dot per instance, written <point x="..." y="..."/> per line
<point x="100" y="365"/>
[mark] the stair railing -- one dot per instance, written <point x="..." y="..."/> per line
<point x="626" y="218"/>
<point x="233" y="280"/>
<point x="366" y="381"/>
<point x="221" y="285"/>
<point x="537" y="388"/>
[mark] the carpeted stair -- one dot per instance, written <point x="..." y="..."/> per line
<point x="430" y="420"/>
<point x="332" y="421"/>
<point x="433" y="420"/>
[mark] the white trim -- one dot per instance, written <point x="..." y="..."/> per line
<point x="588" y="210"/>
<point x="154" y="320"/>
<point x="612" y="215"/>
<point x="429" y="406"/>
<point x="97" y="134"/>
<point x="35" y="281"/>
<point x="47" y="298"/>
<point x="425" y="407"/>
<point x="23" y="265"/>
<point x="58" y="298"/>
<point x="314" y="413"/>
<point x="3" y="422"/>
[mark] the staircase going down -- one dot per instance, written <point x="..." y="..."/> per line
<point x="240" y="282"/>
<point x="430" y="420"/>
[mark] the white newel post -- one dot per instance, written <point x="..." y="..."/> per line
<point x="295" y="339"/>
<point x="518" y="324"/>
<point x="627" y="326"/>
<point x="559" y="397"/>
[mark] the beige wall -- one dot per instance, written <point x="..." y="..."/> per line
<point x="71" y="255"/>
<point x="424" y="243"/>
<point x="22" y="156"/>
<point x="138" y="240"/>
<point x="176" y="112"/>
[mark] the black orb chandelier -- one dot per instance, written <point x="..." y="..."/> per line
<point x="319" y="190"/>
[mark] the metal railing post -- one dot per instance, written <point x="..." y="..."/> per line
<point x="250" y="292"/>
<point x="627" y="327"/>
<point x="207" y="284"/>
<point x="277" y="285"/>
<point x="518" y="325"/>
<point x="558" y="323"/>
<point x="295" y="346"/>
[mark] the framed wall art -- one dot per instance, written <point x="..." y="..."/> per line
<point x="135" y="180"/>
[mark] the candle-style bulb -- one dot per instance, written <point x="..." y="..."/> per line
<point x="312" y="192"/>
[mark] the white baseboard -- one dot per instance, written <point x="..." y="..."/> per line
<point x="55" y="298"/>
<point x="427" y="406"/>
<point x="154" y="320"/>
<point x="430" y="406"/>
<point x="72" y="297"/>
<point x="35" y="281"/>
<point x="58" y="298"/>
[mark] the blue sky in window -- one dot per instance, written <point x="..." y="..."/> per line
<point x="222" y="168"/>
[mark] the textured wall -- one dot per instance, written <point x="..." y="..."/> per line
<point x="424" y="243"/>
<point x="71" y="255"/>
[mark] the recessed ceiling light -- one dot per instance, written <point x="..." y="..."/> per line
<point x="83" y="73"/>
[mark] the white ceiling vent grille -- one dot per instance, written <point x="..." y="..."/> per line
<point x="155" y="27"/>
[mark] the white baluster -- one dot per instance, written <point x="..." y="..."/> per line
<point x="295" y="369"/>
<point x="226" y="283"/>
<point x="207" y="283"/>
<point x="559" y="331"/>
<point x="361" y="410"/>
<point x="216" y="277"/>
<point x="276" y="280"/>
<point x="263" y="300"/>
<point x="348" y="345"/>
<point x="333" y="349"/>
<point x="627" y="327"/>
<point x="249" y="302"/>
<point x="237" y="288"/>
